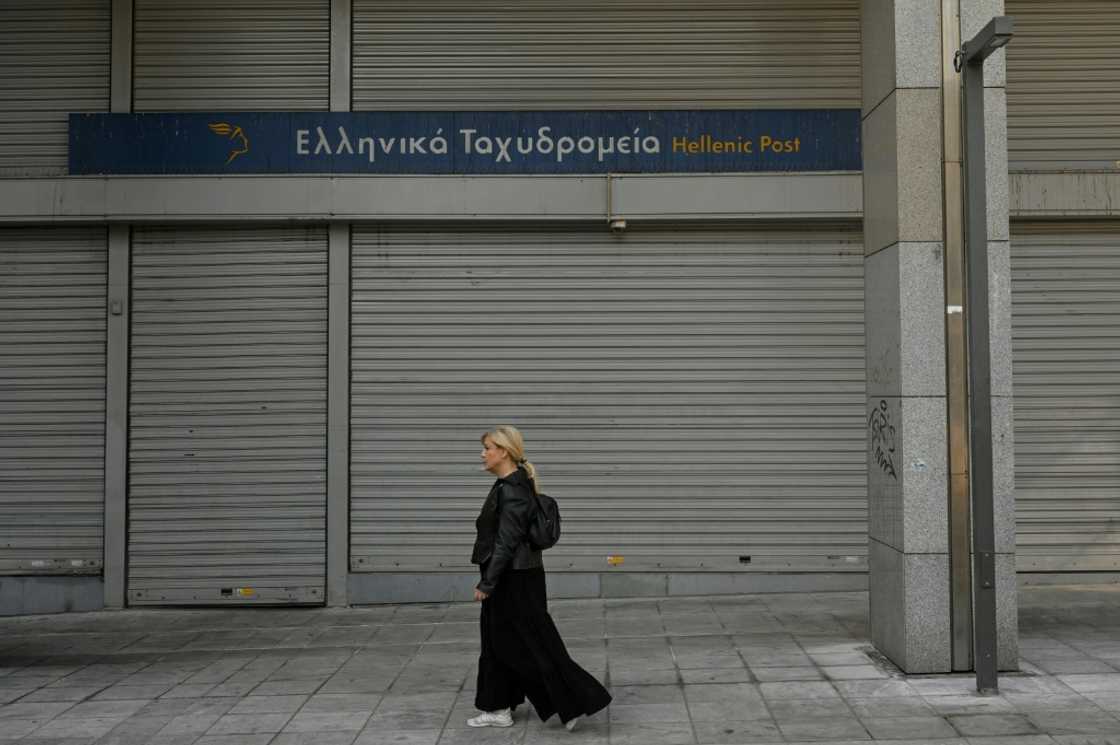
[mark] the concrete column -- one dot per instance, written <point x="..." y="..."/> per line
<point x="974" y="15"/>
<point x="905" y="327"/>
<point x="904" y="232"/>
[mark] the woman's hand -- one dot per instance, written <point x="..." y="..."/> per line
<point x="479" y="594"/>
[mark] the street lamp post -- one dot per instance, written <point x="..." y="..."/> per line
<point x="970" y="63"/>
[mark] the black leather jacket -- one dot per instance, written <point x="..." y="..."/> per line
<point x="503" y="525"/>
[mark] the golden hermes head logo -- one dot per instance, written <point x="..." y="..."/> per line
<point x="231" y="132"/>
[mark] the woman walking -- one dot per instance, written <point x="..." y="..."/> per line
<point x="522" y="655"/>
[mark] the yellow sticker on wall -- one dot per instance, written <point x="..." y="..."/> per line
<point x="614" y="560"/>
<point x="246" y="592"/>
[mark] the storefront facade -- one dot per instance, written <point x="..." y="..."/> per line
<point x="227" y="387"/>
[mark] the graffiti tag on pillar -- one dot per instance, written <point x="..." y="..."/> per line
<point x="882" y="438"/>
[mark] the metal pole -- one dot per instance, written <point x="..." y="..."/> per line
<point x="980" y="382"/>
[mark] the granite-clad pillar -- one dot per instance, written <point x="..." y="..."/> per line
<point x="907" y="427"/>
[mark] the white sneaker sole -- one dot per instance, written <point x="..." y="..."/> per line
<point x="480" y="725"/>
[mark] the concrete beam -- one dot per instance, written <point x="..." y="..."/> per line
<point x="317" y="198"/>
<point x="1065" y="195"/>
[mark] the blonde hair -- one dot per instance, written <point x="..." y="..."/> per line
<point x="509" y="438"/>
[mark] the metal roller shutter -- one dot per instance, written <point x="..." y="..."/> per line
<point x="255" y="55"/>
<point x="1063" y="85"/>
<point x="52" y="400"/>
<point x="618" y="54"/>
<point x="227" y="430"/>
<point x="692" y="397"/>
<point x="1066" y="344"/>
<point x="54" y="60"/>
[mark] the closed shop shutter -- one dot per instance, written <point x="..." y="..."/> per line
<point x="1066" y="345"/>
<point x="693" y="398"/>
<point x="1063" y="85"/>
<point x="52" y="400"/>
<point x="618" y="54"/>
<point x="227" y="416"/>
<point x="54" y="60"/>
<point x="255" y="55"/>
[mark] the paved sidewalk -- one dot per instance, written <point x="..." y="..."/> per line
<point x="740" y="669"/>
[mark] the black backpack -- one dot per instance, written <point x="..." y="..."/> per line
<point x="544" y="525"/>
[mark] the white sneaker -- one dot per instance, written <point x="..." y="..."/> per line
<point x="570" y="725"/>
<point x="501" y="718"/>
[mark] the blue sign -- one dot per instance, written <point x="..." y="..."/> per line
<point x="470" y="142"/>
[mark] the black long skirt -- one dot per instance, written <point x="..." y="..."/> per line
<point x="523" y="655"/>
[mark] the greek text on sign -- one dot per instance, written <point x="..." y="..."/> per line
<point x="481" y="142"/>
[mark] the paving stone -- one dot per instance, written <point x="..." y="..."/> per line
<point x="651" y="694"/>
<point x="831" y="728"/>
<point x="269" y="704"/>
<point x="733" y="733"/>
<point x="316" y="738"/>
<point x="975" y="725"/>
<point x="651" y="733"/>
<point x="792" y="710"/>
<point x="328" y="721"/>
<point x="90" y="727"/>
<point x="928" y="727"/>
<point x="797" y="689"/>
<point x="664" y="712"/>
<point x="853" y="672"/>
<point x="379" y="736"/>
<point x="972" y="703"/>
<point x="902" y="706"/>
<point x="780" y="674"/>
<point x="1075" y="722"/>
<point x="248" y="724"/>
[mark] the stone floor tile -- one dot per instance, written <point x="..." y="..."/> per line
<point x="651" y="733"/>
<point x="122" y="692"/>
<point x="328" y="721"/>
<point x="791" y="710"/>
<point x="13" y="729"/>
<point x="269" y="704"/>
<point x="90" y="727"/>
<point x="46" y="710"/>
<point x="920" y="727"/>
<point x="327" y="702"/>
<point x="853" y="672"/>
<point x="248" y="724"/>
<point x="842" y="659"/>
<point x="942" y="685"/>
<point x="377" y="736"/>
<point x="651" y="694"/>
<point x="1010" y="740"/>
<point x="734" y="733"/>
<point x="642" y="677"/>
<point x="1092" y="683"/>
<point x="874" y="688"/>
<point x="664" y="712"/>
<point x="782" y="674"/>
<point x="287" y="687"/>
<point x="797" y="689"/>
<point x="721" y="675"/>
<point x="259" y="739"/>
<point x="60" y="693"/>
<point x="831" y="728"/>
<point x="482" y="736"/>
<point x="883" y="706"/>
<point x="969" y="703"/>
<point x="334" y="737"/>
<point x="978" y="725"/>
<point x="104" y="709"/>
<point x="1075" y="722"/>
